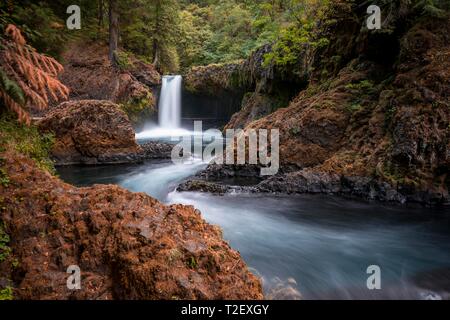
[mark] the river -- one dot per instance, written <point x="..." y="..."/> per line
<point x="309" y="246"/>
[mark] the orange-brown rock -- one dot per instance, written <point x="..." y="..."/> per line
<point x="91" y="132"/>
<point x="89" y="74"/>
<point x="127" y="245"/>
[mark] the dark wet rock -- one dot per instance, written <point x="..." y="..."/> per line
<point x="157" y="150"/>
<point x="254" y="106"/>
<point x="308" y="181"/>
<point x="204" y="186"/>
<point x="218" y="172"/>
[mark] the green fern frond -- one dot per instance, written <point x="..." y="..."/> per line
<point x="11" y="88"/>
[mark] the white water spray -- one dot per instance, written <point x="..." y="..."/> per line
<point x="169" y="111"/>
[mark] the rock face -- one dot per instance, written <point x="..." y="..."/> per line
<point x="375" y="115"/>
<point x="211" y="79"/>
<point x="91" y="132"/>
<point x="127" y="245"/>
<point x="259" y="89"/>
<point x="89" y="75"/>
<point x="254" y="106"/>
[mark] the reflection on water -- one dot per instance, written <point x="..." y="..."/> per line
<point x="319" y="246"/>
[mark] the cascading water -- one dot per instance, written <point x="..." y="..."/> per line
<point x="169" y="111"/>
<point x="170" y="102"/>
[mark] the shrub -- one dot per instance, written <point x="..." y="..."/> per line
<point x="26" y="140"/>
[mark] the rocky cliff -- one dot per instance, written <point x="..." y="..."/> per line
<point x="259" y="89"/>
<point x="89" y="75"/>
<point x="373" y="118"/>
<point x="127" y="245"/>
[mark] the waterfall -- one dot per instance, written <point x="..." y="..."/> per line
<point x="170" y="102"/>
<point x="169" y="112"/>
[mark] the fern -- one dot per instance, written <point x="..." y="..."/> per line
<point x="11" y="88"/>
<point x="28" y="80"/>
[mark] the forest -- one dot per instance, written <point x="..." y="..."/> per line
<point x="174" y="35"/>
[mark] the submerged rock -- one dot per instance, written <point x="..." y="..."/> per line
<point x="127" y="245"/>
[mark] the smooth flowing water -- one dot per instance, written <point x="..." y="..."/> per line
<point x="316" y="246"/>
<point x="169" y="109"/>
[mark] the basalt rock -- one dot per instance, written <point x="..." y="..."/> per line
<point x="204" y="186"/>
<point x="312" y="182"/>
<point x="211" y="79"/>
<point x="254" y="106"/>
<point x="127" y="245"/>
<point x="375" y="112"/>
<point x="157" y="150"/>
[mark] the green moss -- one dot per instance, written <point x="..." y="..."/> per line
<point x="365" y="85"/>
<point x="5" y="250"/>
<point x="6" y="294"/>
<point x="192" y="263"/>
<point x="4" y="179"/>
<point x="389" y="115"/>
<point x="174" y="256"/>
<point x="138" y="107"/>
<point x="295" y="131"/>
<point x="354" y="107"/>
<point x="15" y="263"/>
<point x="123" y="60"/>
<point x="26" y="140"/>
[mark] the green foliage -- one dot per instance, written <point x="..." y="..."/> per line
<point x="195" y="31"/>
<point x="354" y="107"/>
<point x="192" y="263"/>
<point x="4" y="179"/>
<point x="138" y="108"/>
<point x="27" y="140"/>
<point x="433" y="8"/>
<point x="5" y="250"/>
<point x="11" y="88"/>
<point x="6" y="294"/>
<point x="42" y="28"/>
<point x="123" y="60"/>
<point x="364" y="85"/>
<point x="229" y="30"/>
<point x="297" y="36"/>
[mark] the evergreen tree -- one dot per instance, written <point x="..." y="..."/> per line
<point x="164" y="33"/>
<point x="113" y="30"/>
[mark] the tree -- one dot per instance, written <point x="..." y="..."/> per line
<point x="27" y="79"/>
<point x="165" y="27"/>
<point x="113" y="30"/>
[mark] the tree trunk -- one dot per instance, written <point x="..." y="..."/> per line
<point x="100" y="14"/>
<point x="155" y="53"/>
<point x="155" y="32"/>
<point x="113" y="30"/>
